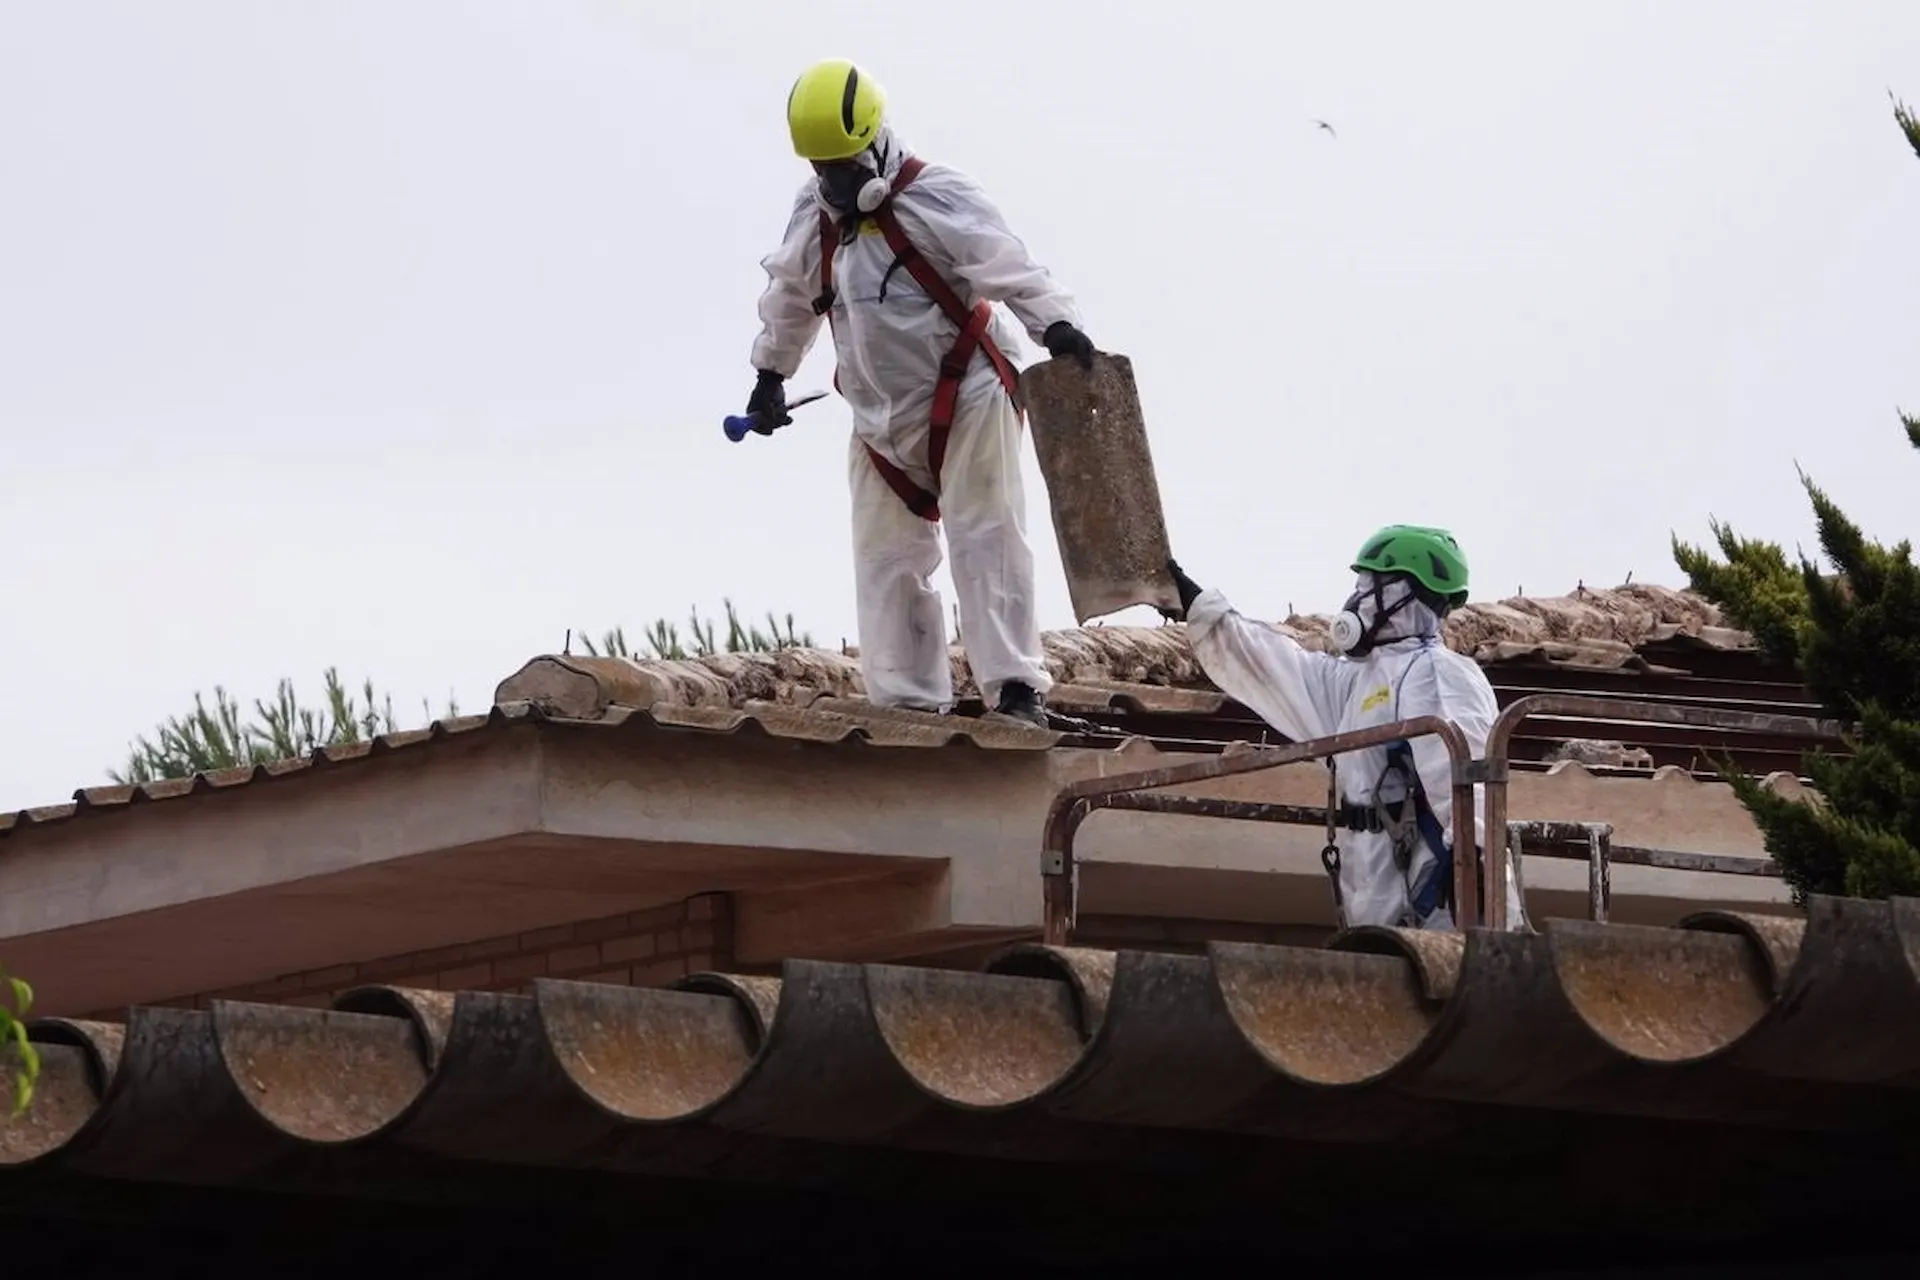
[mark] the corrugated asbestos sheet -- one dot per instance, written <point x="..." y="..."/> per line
<point x="769" y="720"/>
<point x="1384" y="1038"/>
<point x="1594" y="1080"/>
<point x="1644" y="643"/>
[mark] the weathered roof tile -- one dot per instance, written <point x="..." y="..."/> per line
<point x="1765" y="1024"/>
<point x="1590" y="628"/>
<point x="1146" y="673"/>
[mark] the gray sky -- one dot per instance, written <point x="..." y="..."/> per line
<point x="397" y="336"/>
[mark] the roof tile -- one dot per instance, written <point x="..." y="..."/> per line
<point x="1807" y="1025"/>
<point x="1590" y="628"/>
<point x="815" y="695"/>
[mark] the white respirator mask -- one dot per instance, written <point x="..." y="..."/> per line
<point x="1366" y="615"/>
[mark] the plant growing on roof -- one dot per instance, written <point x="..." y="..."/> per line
<point x="1855" y="634"/>
<point x="220" y="737"/>
<point x="206" y="738"/>
<point x="19" y="1060"/>
<point x="663" y="638"/>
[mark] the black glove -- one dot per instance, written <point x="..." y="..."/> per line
<point x="768" y="403"/>
<point x="1189" y="592"/>
<point x="1063" y="339"/>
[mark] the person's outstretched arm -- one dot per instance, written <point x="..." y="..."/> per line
<point x="1292" y="688"/>
<point x="969" y="228"/>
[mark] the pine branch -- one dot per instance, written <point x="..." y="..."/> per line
<point x="1855" y="633"/>
<point x="1909" y="124"/>
<point x="704" y="645"/>
<point x="663" y="639"/>
<point x="283" y="727"/>
<point x="1757" y="587"/>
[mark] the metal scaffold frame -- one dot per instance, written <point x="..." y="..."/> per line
<point x="1144" y="792"/>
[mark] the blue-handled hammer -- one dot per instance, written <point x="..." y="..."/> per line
<point x="737" y="425"/>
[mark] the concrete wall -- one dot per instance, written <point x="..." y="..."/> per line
<point x="829" y="851"/>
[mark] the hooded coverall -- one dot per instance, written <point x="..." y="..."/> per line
<point x="889" y="338"/>
<point x="1304" y="694"/>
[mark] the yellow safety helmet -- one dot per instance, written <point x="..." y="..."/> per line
<point x="834" y="111"/>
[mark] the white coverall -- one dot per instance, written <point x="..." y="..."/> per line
<point x="1305" y="694"/>
<point x="888" y="355"/>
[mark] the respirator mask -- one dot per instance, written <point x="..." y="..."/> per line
<point x="1364" y="618"/>
<point x="853" y="188"/>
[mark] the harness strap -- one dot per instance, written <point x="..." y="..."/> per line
<point x="1437" y="889"/>
<point x="1360" y="818"/>
<point x="918" y="500"/>
<point x="973" y="338"/>
<point x="829" y="242"/>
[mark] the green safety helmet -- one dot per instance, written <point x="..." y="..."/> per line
<point x="1429" y="556"/>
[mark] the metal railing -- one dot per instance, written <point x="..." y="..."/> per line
<point x="1592" y="840"/>
<point x="1495" y="770"/>
<point x="1593" y="843"/>
<point x="1072" y="806"/>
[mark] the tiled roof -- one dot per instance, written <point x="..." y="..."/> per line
<point x="1123" y="682"/>
<point x="824" y="722"/>
<point x="845" y="722"/>
<point x="1641" y="642"/>
<point x="1593" y="629"/>
<point x="1384" y="1039"/>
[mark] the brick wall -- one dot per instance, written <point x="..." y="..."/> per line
<point x="653" y="947"/>
<point x="637" y="948"/>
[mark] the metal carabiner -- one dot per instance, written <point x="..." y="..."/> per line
<point x="1330" y="856"/>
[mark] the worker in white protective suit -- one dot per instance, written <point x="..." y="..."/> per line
<point x="1392" y="861"/>
<point x="904" y="259"/>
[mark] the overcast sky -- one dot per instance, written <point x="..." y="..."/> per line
<point x="397" y="335"/>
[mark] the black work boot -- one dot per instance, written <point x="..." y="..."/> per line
<point x="1018" y="701"/>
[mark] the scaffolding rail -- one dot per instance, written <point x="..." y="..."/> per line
<point x="1145" y="792"/>
<point x="1060" y="875"/>
<point x="1495" y="769"/>
<point x="1593" y="843"/>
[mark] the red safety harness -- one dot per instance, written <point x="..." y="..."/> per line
<point x="973" y="338"/>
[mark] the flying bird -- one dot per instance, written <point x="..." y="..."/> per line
<point x="1324" y="125"/>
